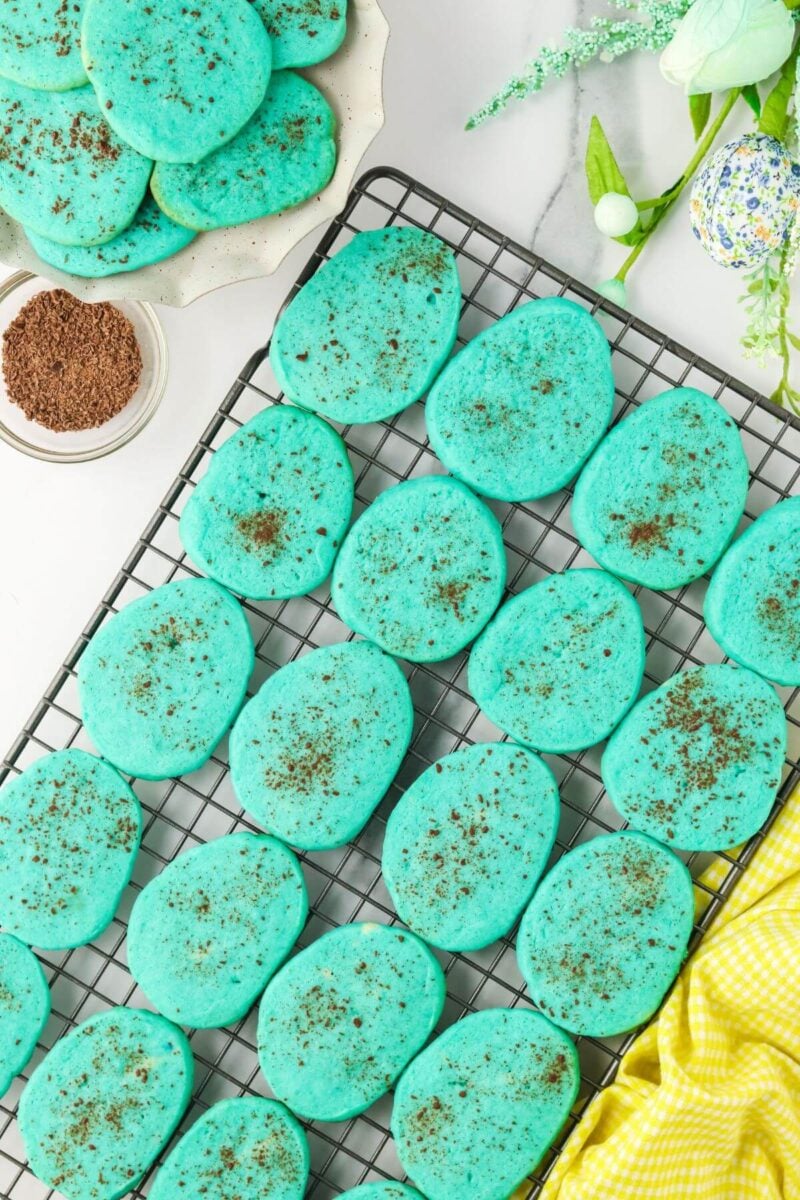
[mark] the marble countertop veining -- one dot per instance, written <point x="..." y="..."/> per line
<point x="65" y="530"/>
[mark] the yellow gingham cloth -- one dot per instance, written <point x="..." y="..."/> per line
<point x="706" y="1104"/>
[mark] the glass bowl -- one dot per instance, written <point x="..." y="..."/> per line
<point x="39" y="442"/>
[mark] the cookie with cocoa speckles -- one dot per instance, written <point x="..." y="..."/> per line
<point x="422" y="570"/>
<point x="316" y="749"/>
<point x="342" y="1018"/>
<point x="606" y="932"/>
<point x="382" y="1189"/>
<point x="104" y="1102"/>
<point x="303" y="32"/>
<point x="176" y="80"/>
<point x="476" y="1110"/>
<point x="269" y="515"/>
<point x="661" y="496"/>
<point x="40" y="43"/>
<point x="162" y="680"/>
<point x="69" y="836"/>
<point x="64" y="173"/>
<point x="697" y="763"/>
<point x="243" y="1147"/>
<point x="24" y="1007"/>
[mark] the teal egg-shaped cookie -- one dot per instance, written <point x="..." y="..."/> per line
<point x="243" y="1148"/>
<point x="64" y="173"/>
<point x="752" y="606"/>
<point x="285" y="154"/>
<point x="269" y="515"/>
<point x="40" y="43"/>
<point x="605" y="934"/>
<point x="24" y="1007"/>
<point x="161" y="682"/>
<point x="175" y="80"/>
<point x="383" y="1189"/>
<point x="207" y="933"/>
<point x="303" y="34"/>
<point x="562" y="662"/>
<point x="422" y="570"/>
<point x="479" y="1107"/>
<point x="317" y="747"/>
<point x="69" y="835"/>
<point x="467" y="841"/>
<point x="150" y="238"/>
<point x="104" y="1102"/>
<point x="697" y="763"/>
<point x="369" y="332"/>
<point x="520" y="409"/>
<point x="661" y="497"/>
<point x="341" y="1019"/>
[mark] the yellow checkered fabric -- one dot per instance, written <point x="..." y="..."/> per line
<point x="706" y="1104"/>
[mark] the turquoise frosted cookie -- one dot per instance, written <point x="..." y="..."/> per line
<point x="163" y="679"/>
<point x="103" y="1103"/>
<point x="562" y="662"/>
<point x="697" y="763"/>
<point x="422" y="570"/>
<point x="662" y="495"/>
<point x="752" y="607"/>
<point x="467" y="842"/>
<point x="151" y="238"/>
<point x="315" y="750"/>
<point x="285" y="154"/>
<point x="517" y="413"/>
<point x="64" y="173"/>
<point x="208" y="932"/>
<point x="370" y="331"/>
<point x="343" y="1017"/>
<point x="40" y="43"/>
<point x="606" y="933"/>
<point x="269" y="515"/>
<point x="69" y="836"/>
<point x="241" y="1149"/>
<point x="483" y="1103"/>
<point x="384" y="1189"/>
<point x="176" y="81"/>
<point x="24" y="1007"/>
<point x="303" y="32"/>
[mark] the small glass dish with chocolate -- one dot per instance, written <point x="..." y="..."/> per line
<point x="77" y="380"/>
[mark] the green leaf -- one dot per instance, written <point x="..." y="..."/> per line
<point x="790" y="4"/>
<point x="603" y="175"/>
<point x="775" y="112"/>
<point x="750" y="93"/>
<point x="699" y="111"/>
<point x="793" y="339"/>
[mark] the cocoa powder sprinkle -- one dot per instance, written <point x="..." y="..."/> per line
<point x="70" y="365"/>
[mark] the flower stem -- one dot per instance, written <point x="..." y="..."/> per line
<point x="664" y="203"/>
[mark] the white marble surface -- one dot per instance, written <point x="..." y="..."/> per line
<point x="64" y="530"/>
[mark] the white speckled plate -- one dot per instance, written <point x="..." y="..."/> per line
<point x="352" y="81"/>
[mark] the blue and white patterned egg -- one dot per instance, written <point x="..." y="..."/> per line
<point x="745" y="201"/>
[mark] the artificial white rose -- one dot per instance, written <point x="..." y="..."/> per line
<point x="721" y="44"/>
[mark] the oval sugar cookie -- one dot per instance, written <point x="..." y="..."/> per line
<point x="343" y="1017"/>
<point x="69" y="836"/>
<point x="383" y="1189"/>
<point x="24" y="1007"/>
<point x="519" y="410"/>
<point x="422" y="570"/>
<point x="303" y="34"/>
<point x="316" y="749"/>
<point x="269" y="515"/>
<point x="697" y="763"/>
<point x="207" y="933"/>
<point x="369" y="332"/>
<point x="483" y="1103"/>
<point x="605" y="934"/>
<point x="467" y="842"/>
<point x="40" y="43"/>
<point x="103" y="1103"/>
<point x="661" y="497"/>
<point x="243" y="1148"/>
<point x="562" y="662"/>
<point x="752" y="606"/>
<point x="161" y="682"/>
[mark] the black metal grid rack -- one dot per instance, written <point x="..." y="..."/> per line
<point x="345" y="885"/>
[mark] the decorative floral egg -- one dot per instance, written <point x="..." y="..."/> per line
<point x="745" y="201"/>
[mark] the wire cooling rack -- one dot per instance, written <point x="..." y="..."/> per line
<point x="346" y="885"/>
